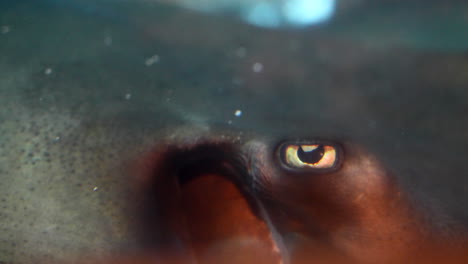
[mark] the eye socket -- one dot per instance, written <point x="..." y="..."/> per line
<point x="310" y="156"/>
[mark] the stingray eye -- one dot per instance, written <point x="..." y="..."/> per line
<point x="309" y="156"/>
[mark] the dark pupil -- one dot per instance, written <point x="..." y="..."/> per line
<point x="313" y="156"/>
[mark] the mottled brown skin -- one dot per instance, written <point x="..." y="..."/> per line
<point x="219" y="202"/>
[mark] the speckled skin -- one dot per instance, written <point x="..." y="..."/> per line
<point x="68" y="136"/>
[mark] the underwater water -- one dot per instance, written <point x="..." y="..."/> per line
<point x="87" y="86"/>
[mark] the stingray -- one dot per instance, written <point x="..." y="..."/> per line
<point x="328" y="151"/>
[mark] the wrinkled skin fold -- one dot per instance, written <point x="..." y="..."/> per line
<point x="221" y="201"/>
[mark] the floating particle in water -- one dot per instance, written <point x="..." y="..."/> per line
<point x="241" y="52"/>
<point x="257" y="67"/>
<point x="5" y="29"/>
<point x="238" y="113"/>
<point x="152" y="60"/>
<point x="128" y="96"/>
<point x="48" y="71"/>
<point x="294" y="45"/>
<point x="229" y="122"/>
<point x="95" y="188"/>
<point x="108" y="40"/>
<point x="237" y="81"/>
